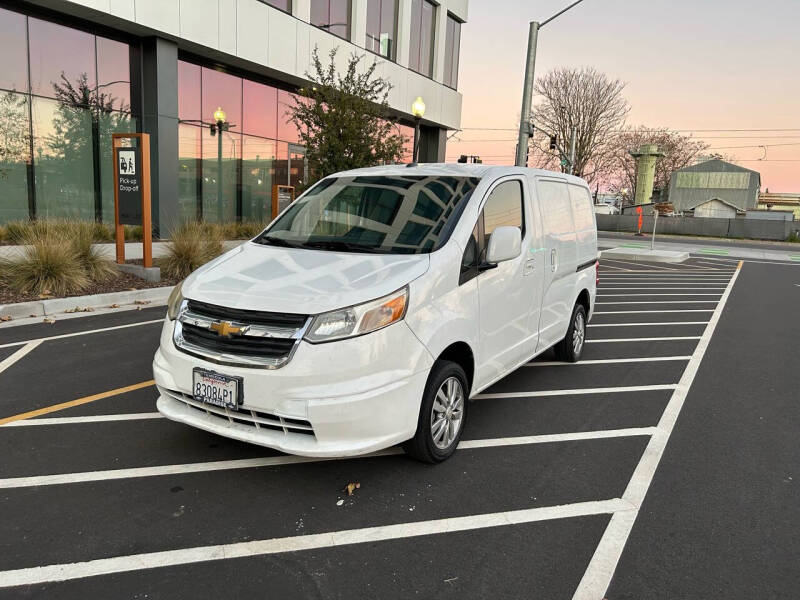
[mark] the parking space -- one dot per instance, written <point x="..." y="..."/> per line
<point x="99" y="493"/>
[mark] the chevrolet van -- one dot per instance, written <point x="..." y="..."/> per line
<point x="375" y="305"/>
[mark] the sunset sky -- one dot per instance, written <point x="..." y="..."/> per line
<point x="689" y="65"/>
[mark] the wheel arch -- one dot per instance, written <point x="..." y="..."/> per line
<point x="461" y="354"/>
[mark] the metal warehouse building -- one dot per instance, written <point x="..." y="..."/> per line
<point x="714" y="188"/>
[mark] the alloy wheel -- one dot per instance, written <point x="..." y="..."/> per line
<point x="447" y="414"/>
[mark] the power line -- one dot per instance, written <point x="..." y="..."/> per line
<point x="650" y="130"/>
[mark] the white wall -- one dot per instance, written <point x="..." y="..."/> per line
<point x="715" y="208"/>
<point x="253" y="31"/>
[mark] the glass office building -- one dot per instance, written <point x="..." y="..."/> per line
<point x="73" y="75"/>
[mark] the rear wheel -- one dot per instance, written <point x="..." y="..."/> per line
<point x="571" y="347"/>
<point x="442" y="414"/>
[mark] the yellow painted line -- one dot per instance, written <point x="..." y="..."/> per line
<point x="77" y="402"/>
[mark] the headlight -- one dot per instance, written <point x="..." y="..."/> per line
<point x="174" y="302"/>
<point x="358" y="320"/>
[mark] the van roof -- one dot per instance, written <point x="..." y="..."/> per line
<point x="457" y="170"/>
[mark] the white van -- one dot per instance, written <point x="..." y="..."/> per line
<point x="376" y="304"/>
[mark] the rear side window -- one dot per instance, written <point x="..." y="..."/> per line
<point x="504" y="208"/>
<point x="582" y="207"/>
<point x="556" y="207"/>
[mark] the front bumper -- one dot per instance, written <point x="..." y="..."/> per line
<point x="357" y="395"/>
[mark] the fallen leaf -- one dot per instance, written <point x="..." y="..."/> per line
<point x="77" y="309"/>
<point x="45" y="296"/>
<point x="48" y="320"/>
<point x="113" y="305"/>
<point x="5" y="318"/>
<point x="141" y="301"/>
<point x="351" y="487"/>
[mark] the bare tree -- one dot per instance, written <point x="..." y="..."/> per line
<point x="589" y="102"/>
<point x="679" y="151"/>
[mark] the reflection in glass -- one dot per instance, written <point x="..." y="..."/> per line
<point x="381" y="27"/>
<point x="188" y="91"/>
<point x="451" y="52"/>
<point x="215" y="211"/>
<point x="14" y="51"/>
<point x="63" y="159"/>
<point x="113" y="74"/>
<point x="108" y="123"/>
<point x="332" y="16"/>
<point x="287" y="130"/>
<point x="189" y="172"/>
<point x="284" y="5"/>
<point x="421" y="47"/>
<point x="59" y="56"/>
<point x="14" y="156"/>
<point x="225" y="91"/>
<point x="260" y="110"/>
<point x="258" y="176"/>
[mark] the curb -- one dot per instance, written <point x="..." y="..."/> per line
<point x="54" y="306"/>
<point x="663" y="256"/>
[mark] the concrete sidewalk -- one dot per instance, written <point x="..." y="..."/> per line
<point x="719" y="249"/>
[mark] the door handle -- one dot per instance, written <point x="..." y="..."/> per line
<point x="553" y="259"/>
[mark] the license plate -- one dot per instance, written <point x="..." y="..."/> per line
<point x="217" y="389"/>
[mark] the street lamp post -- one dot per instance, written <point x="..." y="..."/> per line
<point x="217" y="127"/>
<point x="525" y="129"/>
<point x="418" y="110"/>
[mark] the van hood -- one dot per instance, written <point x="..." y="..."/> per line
<point x="303" y="281"/>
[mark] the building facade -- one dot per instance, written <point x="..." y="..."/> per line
<point x="780" y="202"/>
<point x="734" y="187"/>
<point x="75" y="72"/>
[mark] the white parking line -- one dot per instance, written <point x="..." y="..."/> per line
<point x="86" y="419"/>
<point x="601" y="295"/>
<point x="646" y="324"/>
<point x="271" y="461"/>
<point x="184" y="556"/>
<point x="597" y="577"/>
<point x="631" y="312"/>
<point x="618" y="288"/>
<point x="659" y="302"/>
<point x="645" y="339"/>
<point x="635" y="264"/>
<point x="76" y="333"/>
<point x="605" y="361"/>
<point x="19" y="354"/>
<point x="577" y="391"/>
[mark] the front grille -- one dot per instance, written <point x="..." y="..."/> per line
<point x="238" y="337"/>
<point x="252" y="418"/>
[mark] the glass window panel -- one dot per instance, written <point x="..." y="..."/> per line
<point x="219" y="199"/>
<point x="190" y="170"/>
<point x="452" y="48"/>
<point x="373" y="25"/>
<point x="416" y="34"/>
<point x="287" y="130"/>
<point x="14" y="50"/>
<point x="503" y="208"/>
<point x="14" y="156"/>
<point x="320" y="12"/>
<point x="189" y="92"/>
<point x="60" y="56"/>
<point x="556" y="207"/>
<point x="63" y="160"/>
<point x="113" y="74"/>
<point x="426" y="41"/>
<point x="582" y="208"/>
<point x="258" y="176"/>
<point x="388" y="28"/>
<point x="284" y="5"/>
<point x="223" y="91"/>
<point x="456" y="54"/>
<point x="280" y="168"/>
<point x="340" y="18"/>
<point x="260" y="113"/>
<point x="108" y="123"/>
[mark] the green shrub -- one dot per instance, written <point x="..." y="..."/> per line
<point x="3" y="233"/>
<point x="249" y="229"/>
<point x="793" y="237"/>
<point x="133" y="233"/>
<point x="191" y="245"/>
<point x="16" y="231"/>
<point x="102" y="232"/>
<point x="49" y="263"/>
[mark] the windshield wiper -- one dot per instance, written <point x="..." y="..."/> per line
<point x="342" y="246"/>
<point x="270" y="240"/>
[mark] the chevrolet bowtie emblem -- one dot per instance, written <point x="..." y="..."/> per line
<point x="227" y="329"/>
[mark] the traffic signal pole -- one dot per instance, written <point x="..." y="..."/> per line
<point x="525" y="128"/>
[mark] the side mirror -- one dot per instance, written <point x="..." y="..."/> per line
<point x="504" y="244"/>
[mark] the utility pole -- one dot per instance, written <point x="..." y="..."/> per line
<point x="525" y="129"/>
<point x="572" y="151"/>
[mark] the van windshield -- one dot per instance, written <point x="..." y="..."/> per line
<point x="413" y="214"/>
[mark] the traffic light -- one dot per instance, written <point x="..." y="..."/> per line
<point x="553" y="142"/>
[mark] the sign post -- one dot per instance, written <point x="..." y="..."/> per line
<point x="132" y="191"/>
<point x="282" y="196"/>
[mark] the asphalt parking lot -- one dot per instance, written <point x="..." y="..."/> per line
<point x="663" y="465"/>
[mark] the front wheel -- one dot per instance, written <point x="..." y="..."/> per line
<point x="571" y="347"/>
<point x="442" y="414"/>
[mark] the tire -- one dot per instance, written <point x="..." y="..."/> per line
<point x="425" y="446"/>
<point x="571" y="347"/>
